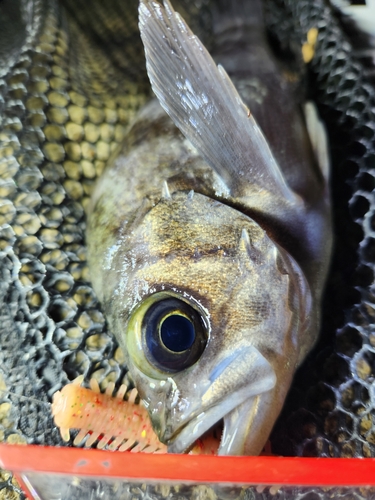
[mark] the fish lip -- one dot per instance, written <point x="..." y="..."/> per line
<point x="185" y="437"/>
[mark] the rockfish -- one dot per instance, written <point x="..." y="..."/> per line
<point x="209" y="232"/>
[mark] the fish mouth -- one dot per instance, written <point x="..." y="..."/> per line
<point x="243" y="412"/>
<point x="213" y="423"/>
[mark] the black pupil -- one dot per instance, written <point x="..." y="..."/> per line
<point x="177" y="333"/>
<point x="173" y="335"/>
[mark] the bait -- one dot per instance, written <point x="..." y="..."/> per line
<point x="119" y="424"/>
<point x="102" y="416"/>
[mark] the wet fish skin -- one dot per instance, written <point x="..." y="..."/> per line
<point x="212" y="234"/>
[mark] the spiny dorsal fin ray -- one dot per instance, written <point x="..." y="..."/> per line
<point x="245" y="243"/>
<point x="165" y="191"/>
<point x="204" y="104"/>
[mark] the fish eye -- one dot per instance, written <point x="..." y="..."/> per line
<point x="173" y="335"/>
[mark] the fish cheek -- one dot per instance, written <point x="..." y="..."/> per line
<point x="269" y="308"/>
<point x="175" y="398"/>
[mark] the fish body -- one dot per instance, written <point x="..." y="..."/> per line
<point x="209" y="244"/>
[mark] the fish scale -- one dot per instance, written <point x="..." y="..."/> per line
<point x="52" y="328"/>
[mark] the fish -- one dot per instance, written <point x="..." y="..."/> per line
<point x="209" y="232"/>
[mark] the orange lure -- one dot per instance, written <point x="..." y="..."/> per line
<point x="117" y="423"/>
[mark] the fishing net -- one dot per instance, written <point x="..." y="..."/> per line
<point x="63" y="113"/>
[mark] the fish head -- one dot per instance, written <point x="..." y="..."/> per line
<point x="209" y="312"/>
<point x="200" y="288"/>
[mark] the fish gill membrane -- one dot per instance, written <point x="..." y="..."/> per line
<point x="207" y="250"/>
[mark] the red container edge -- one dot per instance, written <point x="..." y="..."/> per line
<point x="288" y="471"/>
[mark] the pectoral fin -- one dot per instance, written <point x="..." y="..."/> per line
<point x="318" y="138"/>
<point x="204" y="104"/>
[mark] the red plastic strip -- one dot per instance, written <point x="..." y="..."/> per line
<point x="185" y="468"/>
<point x="24" y="487"/>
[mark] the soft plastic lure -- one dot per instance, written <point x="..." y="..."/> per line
<point x="119" y="424"/>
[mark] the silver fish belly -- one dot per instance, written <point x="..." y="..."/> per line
<point x="208" y="244"/>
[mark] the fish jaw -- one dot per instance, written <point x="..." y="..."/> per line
<point x="214" y="400"/>
<point x="247" y="427"/>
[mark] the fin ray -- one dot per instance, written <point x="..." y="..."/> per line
<point x="204" y="104"/>
<point x="318" y="138"/>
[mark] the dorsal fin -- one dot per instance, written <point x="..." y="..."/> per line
<point x="204" y="104"/>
